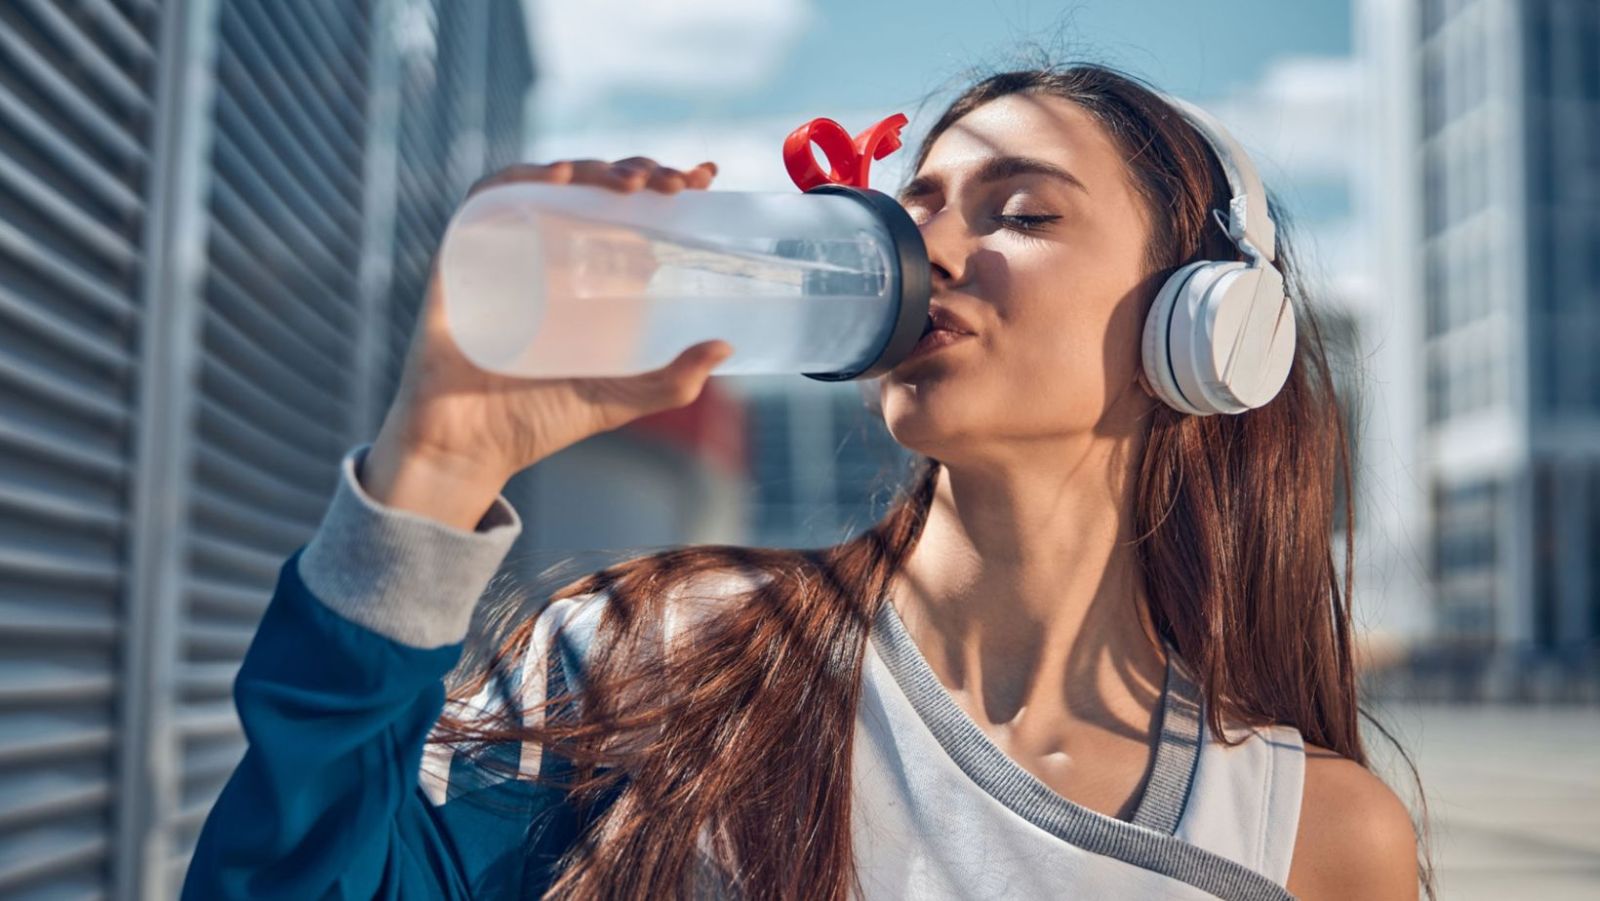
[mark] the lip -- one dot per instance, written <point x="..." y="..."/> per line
<point x="948" y="320"/>
<point x="934" y="341"/>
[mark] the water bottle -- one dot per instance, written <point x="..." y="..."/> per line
<point x="557" y="281"/>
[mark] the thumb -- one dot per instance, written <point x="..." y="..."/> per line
<point x="684" y="378"/>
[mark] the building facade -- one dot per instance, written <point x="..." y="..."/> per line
<point x="215" y="220"/>
<point x="1503" y="150"/>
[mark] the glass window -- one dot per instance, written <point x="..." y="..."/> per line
<point x="1433" y="390"/>
<point x="1433" y="193"/>
<point x="1477" y="78"/>
<point x="1540" y="60"/>
<point x="1594" y="249"/>
<point x="1549" y="362"/>
<point x="1433" y="298"/>
<point x="1480" y="286"/>
<point x="1546" y="553"/>
<point x="1432" y="85"/>
<point x="1432" y="16"/>
<point x="1589" y="50"/>
<point x="1592" y="552"/>
<point x="1464" y="553"/>
<point x="1546" y="164"/>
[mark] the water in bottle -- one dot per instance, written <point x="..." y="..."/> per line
<point x="549" y="281"/>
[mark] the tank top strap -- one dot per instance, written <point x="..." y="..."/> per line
<point x="1244" y="800"/>
<point x="1167" y="790"/>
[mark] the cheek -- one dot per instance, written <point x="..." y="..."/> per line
<point x="1074" y="335"/>
<point x="1069" y="312"/>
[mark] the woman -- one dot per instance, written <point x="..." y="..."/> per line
<point x="1098" y="648"/>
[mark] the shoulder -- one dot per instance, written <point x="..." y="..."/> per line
<point x="1355" y="838"/>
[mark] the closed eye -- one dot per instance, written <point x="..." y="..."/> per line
<point x="1025" y="223"/>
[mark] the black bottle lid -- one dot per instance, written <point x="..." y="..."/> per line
<point x="912" y="275"/>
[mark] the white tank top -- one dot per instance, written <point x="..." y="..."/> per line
<point x="939" y="811"/>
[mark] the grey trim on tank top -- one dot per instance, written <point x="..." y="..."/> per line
<point x="1148" y="841"/>
<point x="1172" y="773"/>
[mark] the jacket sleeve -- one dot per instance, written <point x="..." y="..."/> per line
<point x="338" y="794"/>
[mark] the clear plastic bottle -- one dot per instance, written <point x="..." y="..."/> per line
<point x="554" y="281"/>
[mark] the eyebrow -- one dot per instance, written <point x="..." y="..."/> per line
<point x="994" y="169"/>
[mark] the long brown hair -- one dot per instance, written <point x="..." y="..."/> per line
<point x="736" y="760"/>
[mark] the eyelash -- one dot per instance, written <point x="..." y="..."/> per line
<point x="1025" y="224"/>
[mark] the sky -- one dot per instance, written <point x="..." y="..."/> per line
<point x="684" y="81"/>
<point x="634" y="62"/>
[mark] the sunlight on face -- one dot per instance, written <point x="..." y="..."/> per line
<point x="1037" y="240"/>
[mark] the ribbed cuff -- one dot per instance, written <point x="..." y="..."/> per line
<point x="409" y="578"/>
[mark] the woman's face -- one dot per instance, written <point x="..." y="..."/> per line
<point x="1037" y="239"/>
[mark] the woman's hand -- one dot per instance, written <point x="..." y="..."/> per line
<point x="455" y="433"/>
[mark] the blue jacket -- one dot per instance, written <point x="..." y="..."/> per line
<point x="326" y="802"/>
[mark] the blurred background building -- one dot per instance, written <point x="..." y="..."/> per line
<point x="1495" y="137"/>
<point x="217" y="217"/>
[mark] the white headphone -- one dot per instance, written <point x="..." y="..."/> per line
<point x="1220" y="336"/>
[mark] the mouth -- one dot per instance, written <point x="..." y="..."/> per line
<point x="933" y="339"/>
<point x="942" y="318"/>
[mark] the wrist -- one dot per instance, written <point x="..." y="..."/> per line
<point x="446" y="489"/>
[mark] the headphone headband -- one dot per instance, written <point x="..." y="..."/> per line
<point x="1248" y="220"/>
<point x="1220" y="334"/>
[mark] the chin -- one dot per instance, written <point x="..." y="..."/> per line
<point x="919" y="420"/>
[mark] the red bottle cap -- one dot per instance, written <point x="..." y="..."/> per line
<point x="849" y="159"/>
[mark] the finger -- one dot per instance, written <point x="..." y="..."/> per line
<point x="638" y="162"/>
<point x="671" y="386"/>
<point x="601" y="174"/>
<point x="558" y="172"/>
<point x="682" y="380"/>
<point x="668" y="180"/>
<point x="700" y="176"/>
<point x="635" y="174"/>
<point x="696" y="362"/>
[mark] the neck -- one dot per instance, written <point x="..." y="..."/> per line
<point x="1024" y="590"/>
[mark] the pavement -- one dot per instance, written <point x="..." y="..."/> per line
<point x="1513" y="795"/>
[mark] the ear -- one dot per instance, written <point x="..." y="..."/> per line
<point x="1143" y="382"/>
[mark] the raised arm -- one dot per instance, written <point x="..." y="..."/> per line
<point x="337" y="694"/>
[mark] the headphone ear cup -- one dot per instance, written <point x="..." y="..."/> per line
<point x="1232" y="337"/>
<point x="1194" y="341"/>
<point x="1156" y="351"/>
<point x="1253" y="331"/>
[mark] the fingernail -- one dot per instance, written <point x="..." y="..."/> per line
<point x="710" y="165"/>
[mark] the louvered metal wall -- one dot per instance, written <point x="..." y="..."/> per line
<point x="277" y="363"/>
<point x="76" y="95"/>
<point x="215" y="219"/>
<point x="429" y="71"/>
<point x="454" y="125"/>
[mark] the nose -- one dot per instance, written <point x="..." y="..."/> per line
<point x="944" y="236"/>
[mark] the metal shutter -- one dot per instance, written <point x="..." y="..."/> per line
<point x="274" y="383"/>
<point x="212" y="214"/>
<point x="422" y="163"/>
<point x="461" y="115"/>
<point x="76" y="97"/>
<point x="431" y="177"/>
<point x="512" y="62"/>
